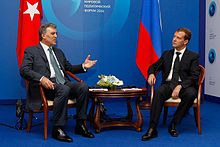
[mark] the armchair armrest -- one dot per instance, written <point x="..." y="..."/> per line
<point x="74" y="76"/>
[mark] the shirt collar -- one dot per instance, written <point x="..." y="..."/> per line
<point x="45" y="47"/>
<point x="182" y="51"/>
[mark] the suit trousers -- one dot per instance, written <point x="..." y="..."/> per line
<point x="164" y="92"/>
<point x="60" y="96"/>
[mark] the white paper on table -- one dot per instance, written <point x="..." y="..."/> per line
<point x="127" y="89"/>
<point x="98" y="89"/>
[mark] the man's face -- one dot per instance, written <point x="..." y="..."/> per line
<point x="50" y="37"/>
<point x="178" y="41"/>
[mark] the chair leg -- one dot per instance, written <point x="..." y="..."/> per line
<point x="165" y="112"/>
<point x="30" y="117"/>
<point x="199" y="124"/>
<point x="45" y="125"/>
<point x="195" y="115"/>
<point x="199" y="121"/>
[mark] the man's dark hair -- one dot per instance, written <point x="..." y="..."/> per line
<point x="43" y="28"/>
<point x="187" y="32"/>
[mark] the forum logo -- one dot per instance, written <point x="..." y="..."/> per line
<point x="212" y="55"/>
<point x="87" y="19"/>
<point x="212" y="8"/>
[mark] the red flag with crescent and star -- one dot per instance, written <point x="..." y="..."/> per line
<point x="29" y="21"/>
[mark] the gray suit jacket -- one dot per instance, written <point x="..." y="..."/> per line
<point x="35" y="65"/>
<point x="189" y="67"/>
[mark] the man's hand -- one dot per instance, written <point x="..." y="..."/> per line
<point x="176" y="91"/>
<point x="89" y="63"/>
<point x="46" y="83"/>
<point x="151" y="79"/>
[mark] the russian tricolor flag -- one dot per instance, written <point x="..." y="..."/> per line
<point x="149" y="41"/>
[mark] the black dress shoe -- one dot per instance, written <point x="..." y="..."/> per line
<point x="60" y="135"/>
<point x="151" y="133"/>
<point x="82" y="130"/>
<point x="172" y="130"/>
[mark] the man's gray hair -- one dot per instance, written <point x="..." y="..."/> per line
<point x="43" y="28"/>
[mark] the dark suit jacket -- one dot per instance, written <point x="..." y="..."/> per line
<point x="189" y="67"/>
<point x="35" y="65"/>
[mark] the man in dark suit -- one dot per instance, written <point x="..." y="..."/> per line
<point x="180" y="73"/>
<point x="46" y="65"/>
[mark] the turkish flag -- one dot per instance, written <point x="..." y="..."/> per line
<point x="29" y="21"/>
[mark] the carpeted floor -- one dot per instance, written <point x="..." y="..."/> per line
<point x="118" y="136"/>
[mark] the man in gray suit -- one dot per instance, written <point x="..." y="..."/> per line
<point x="180" y="74"/>
<point x="38" y="67"/>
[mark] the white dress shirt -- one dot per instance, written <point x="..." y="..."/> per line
<point x="174" y="57"/>
<point x="52" y="72"/>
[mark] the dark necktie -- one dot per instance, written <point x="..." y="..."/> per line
<point x="58" y="75"/>
<point x="175" y="76"/>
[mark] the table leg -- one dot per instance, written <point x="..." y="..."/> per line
<point x="91" y="112"/>
<point x="129" y="108"/>
<point x="139" y="122"/>
<point x="97" y="124"/>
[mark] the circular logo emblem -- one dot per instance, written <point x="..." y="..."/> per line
<point x="212" y="56"/>
<point x="212" y="8"/>
<point x="87" y="19"/>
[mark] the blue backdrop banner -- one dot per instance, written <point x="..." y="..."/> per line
<point x="106" y="29"/>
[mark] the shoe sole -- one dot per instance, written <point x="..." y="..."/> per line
<point x="149" y="138"/>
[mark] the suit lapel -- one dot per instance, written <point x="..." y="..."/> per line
<point x="170" y="59"/>
<point x="184" y="57"/>
<point x="43" y="55"/>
